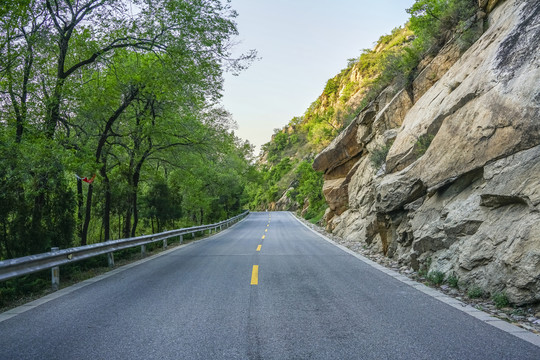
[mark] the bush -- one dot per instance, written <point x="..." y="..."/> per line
<point x="500" y="299"/>
<point x="452" y="281"/>
<point x="318" y="217"/>
<point x="435" y="277"/>
<point x="422" y="144"/>
<point x="378" y="156"/>
<point x="331" y="87"/>
<point x="475" y="292"/>
<point x="436" y="21"/>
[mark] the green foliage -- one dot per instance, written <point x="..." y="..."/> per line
<point x="378" y="156"/>
<point x="435" y="21"/>
<point x="310" y="187"/>
<point x="500" y="299"/>
<point x="281" y="140"/>
<point x="393" y="62"/>
<point x="453" y="281"/>
<point x="14" y="289"/>
<point x="141" y="116"/>
<point x="36" y="203"/>
<point x="317" y="218"/>
<point x="475" y="292"/>
<point x="331" y="87"/>
<point x="422" y="144"/>
<point x="161" y="203"/>
<point x="435" y="277"/>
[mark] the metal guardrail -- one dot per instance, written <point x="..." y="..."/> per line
<point x="52" y="260"/>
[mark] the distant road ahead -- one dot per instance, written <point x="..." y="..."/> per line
<point x="266" y="289"/>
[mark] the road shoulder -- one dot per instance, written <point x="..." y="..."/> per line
<point x="483" y="316"/>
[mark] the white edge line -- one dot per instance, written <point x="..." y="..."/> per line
<point x="470" y="310"/>
<point x="68" y="290"/>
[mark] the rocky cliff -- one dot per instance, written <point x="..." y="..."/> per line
<point x="459" y="189"/>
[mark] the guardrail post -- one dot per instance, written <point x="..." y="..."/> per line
<point x="181" y="239"/>
<point x="110" y="259"/>
<point x="55" y="273"/>
<point x="143" y="250"/>
<point x="164" y="243"/>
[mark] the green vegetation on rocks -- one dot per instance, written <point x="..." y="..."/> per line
<point x="391" y="64"/>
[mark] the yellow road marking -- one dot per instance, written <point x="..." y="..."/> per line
<point x="268" y="225"/>
<point x="259" y="248"/>
<point x="263" y="237"/>
<point x="265" y="230"/>
<point x="255" y="275"/>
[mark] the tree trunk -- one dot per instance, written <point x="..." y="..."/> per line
<point x="127" y="222"/>
<point x="135" y="188"/>
<point x="101" y="144"/>
<point x="80" y="205"/>
<point x="87" y="214"/>
<point x="135" y="215"/>
<point x="53" y="109"/>
<point x="106" y="220"/>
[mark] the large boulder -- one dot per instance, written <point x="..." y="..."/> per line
<point x="484" y="108"/>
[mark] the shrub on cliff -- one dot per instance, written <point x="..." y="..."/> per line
<point x="434" y="22"/>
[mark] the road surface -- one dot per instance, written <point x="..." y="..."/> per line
<point x="268" y="288"/>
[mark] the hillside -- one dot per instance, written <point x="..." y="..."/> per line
<point x="430" y="156"/>
<point x="283" y="182"/>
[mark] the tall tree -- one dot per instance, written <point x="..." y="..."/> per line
<point x="98" y="86"/>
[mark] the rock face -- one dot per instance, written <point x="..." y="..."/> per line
<point x="460" y="188"/>
<point x="285" y="203"/>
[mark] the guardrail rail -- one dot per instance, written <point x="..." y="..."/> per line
<point x="56" y="257"/>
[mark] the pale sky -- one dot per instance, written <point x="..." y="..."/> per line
<point x="302" y="44"/>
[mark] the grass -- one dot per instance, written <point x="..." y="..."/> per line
<point x="317" y="218"/>
<point x="452" y="281"/>
<point x="500" y="299"/>
<point x="435" y="277"/>
<point x="475" y="292"/>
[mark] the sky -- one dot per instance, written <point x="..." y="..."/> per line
<point x="300" y="44"/>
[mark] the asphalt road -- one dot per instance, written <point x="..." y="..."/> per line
<point x="308" y="300"/>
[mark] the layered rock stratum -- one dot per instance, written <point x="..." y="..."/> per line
<point x="459" y="191"/>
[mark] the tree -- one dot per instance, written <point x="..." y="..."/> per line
<point x="117" y="88"/>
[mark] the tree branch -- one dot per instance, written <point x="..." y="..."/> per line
<point x="143" y="44"/>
